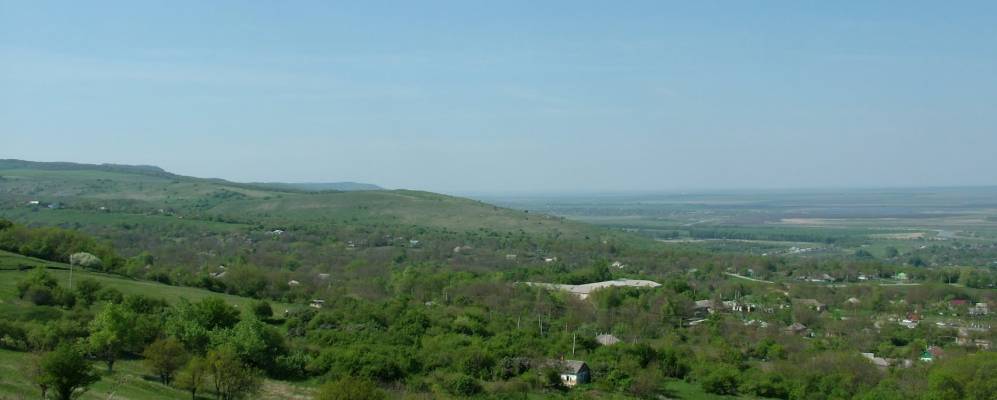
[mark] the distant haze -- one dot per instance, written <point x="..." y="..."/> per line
<point x="463" y="97"/>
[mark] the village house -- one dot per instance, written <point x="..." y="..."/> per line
<point x="583" y="291"/>
<point x="316" y="303"/>
<point x="703" y="307"/>
<point x="796" y="328"/>
<point x="879" y="362"/>
<point x="932" y="353"/>
<point x="606" y="339"/>
<point x="293" y="283"/>
<point x="979" y="309"/>
<point x="572" y="372"/>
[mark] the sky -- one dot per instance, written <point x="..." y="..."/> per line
<point x="510" y="96"/>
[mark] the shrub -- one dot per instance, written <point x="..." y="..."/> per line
<point x="350" y="388"/>
<point x="463" y="385"/>
<point x="85" y="260"/>
<point x="721" y="379"/>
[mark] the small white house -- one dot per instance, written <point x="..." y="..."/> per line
<point x="572" y="372"/>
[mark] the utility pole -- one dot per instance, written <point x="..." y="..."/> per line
<point x="573" y="337"/>
<point x="540" y="322"/>
<point x="70" y="276"/>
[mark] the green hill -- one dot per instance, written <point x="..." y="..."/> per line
<point x="131" y="379"/>
<point x="322" y="186"/>
<point x="143" y="189"/>
<point x="182" y="230"/>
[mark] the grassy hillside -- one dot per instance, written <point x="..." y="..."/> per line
<point x="131" y="379"/>
<point x="12" y="270"/>
<point x="122" y="190"/>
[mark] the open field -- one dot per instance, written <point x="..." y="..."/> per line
<point x="10" y="275"/>
<point x="910" y="221"/>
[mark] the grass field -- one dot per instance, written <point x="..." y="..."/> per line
<point x="130" y="379"/>
<point x="839" y="222"/>
<point x="136" y="198"/>
<point x="9" y="276"/>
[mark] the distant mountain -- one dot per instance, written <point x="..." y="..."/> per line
<point x="70" y="166"/>
<point x="321" y="186"/>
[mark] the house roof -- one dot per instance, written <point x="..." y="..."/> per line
<point x="796" y="326"/>
<point x="568" y="366"/>
<point x="607" y="339"/>
<point x="704" y="303"/>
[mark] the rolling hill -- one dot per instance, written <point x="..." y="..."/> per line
<point x="112" y="189"/>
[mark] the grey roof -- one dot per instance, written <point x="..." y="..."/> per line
<point x="567" y="366"/>
<point x="584" y="290"/>
<point x="796" y="327"/>
<point x="607" y="339"/>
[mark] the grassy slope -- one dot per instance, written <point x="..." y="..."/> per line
<point x="187" y="195"/>
<point x="9" y="276"/>
<point x="130" y="379"/>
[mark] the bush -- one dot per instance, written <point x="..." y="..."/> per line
<point x="463" y="385"/>
<point x="721" y="379"/>
<point x="350" y="388"/>
<point x="40" y="295"/>
<point x="261" y="309"/>
<point x="85" y="260"/>
<point x="164" y="357"/>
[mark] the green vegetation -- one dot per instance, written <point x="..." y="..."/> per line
<point x="191" y="288"/>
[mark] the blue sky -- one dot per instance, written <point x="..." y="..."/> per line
<point x="510" y="96"/>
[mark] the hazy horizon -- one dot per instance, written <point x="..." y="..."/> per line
<point x="510" y="98"/>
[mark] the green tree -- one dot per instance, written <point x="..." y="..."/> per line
<point x="254" y="342"/>
<point x="261" y="309"/>
<point x="194" y="376"/>
<point x="231" y="378"/>
<point x="214" y="313"/>
<point x="111" y="333"/>
<point x="350" y="388"/>
<point x="164" y="357"/>
<point x="85" y="260"/>
<point x="67" y="372"/>
<point x="87" y="290"/>
<point x="721" y="379"/>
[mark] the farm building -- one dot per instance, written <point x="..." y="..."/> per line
<point x="606" y="339"/>
<point x="572" y="372"/>
<point x="583" y="291"/>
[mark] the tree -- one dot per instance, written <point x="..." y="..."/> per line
<point x="231" y="378"/>
<point x="350" y="388"/>
<point x="110" y="333"/>
<point x="87" y="290"/>
<point x="85" y="260"/>
<point x="261" y="309"/>
<point x="214" y="313"/>
<point x="164" y="357"/>
<point x="193" y="377"/>
<point x="721" y="379"/>
<point x="67" y="372"/>
<point x="35" y="373"/>
<point x="892" y="252"/>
